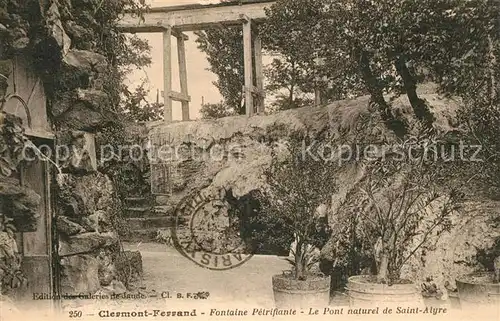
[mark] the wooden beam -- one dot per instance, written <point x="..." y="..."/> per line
<point x="181" y="53"/>
<point x="257" y="91"/>
<point x="191" y="18"/>
<point x="180" y="35"/>
<point x="177" y="96"/>
<point x="259" y="72"/>
<point x="167" y="73"/>
<point x="247" y="53"/>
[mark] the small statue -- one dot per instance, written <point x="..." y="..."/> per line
<point x="496" y="267"/>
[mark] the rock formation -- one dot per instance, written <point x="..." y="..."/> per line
<point x="232" y="153"/>
<point x="63" y="56"/>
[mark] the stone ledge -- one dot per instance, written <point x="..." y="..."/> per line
<point x="86" y="243"/>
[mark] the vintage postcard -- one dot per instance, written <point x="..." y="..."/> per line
<point x="249" y="160"/>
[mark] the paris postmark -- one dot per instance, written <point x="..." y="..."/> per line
<point x="207" y="231"/>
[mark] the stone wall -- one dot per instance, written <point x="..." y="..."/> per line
<point x="233" y="152"/>
<point x="86" y="207"/>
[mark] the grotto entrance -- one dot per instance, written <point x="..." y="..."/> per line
<point x="26" y="193"/>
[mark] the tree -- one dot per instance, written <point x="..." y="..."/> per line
<point x="392" y="46"/>
<point x="292" y="201"/>
<point x="399" y="208"/>
<point x="291" y="32"/>
<point x="224" y="50"/>
<point x="214" y="111"/>
<point x="283" y="79"/>
<point x="136" y="106"/>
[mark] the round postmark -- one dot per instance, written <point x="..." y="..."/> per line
<point x="207" y="231"/>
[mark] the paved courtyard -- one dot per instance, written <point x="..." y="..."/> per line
<point x="165" y="269"/>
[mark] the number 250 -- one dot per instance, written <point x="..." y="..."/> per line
<point x="75" y="314"/>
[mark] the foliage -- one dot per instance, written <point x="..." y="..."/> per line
<point x="390" y="46"/>
<point x="12" y="142"/>
<point x="283" y="78"/>
<point x="224" y="50"/>
<point x="11" y="276"/>
<point x="123" y="52"/>
<point x="291" y="32"/>
<point x="137" y="108"/>
<point x="214" y="111"/>
<point x="292" y="201"/>
<point x="295" y="72"/>
<point x="400" y="207"/>
<point x="127" y="169"/>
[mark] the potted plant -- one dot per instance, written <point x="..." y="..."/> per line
<point x="399" y="209"/>
<point x="293" y="208"/>
<point x="482" y="288"/>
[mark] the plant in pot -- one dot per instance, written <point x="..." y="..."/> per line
<point x="482" y="288"/>
<point x="293" y="207"/>
<point x="400" y="209"/>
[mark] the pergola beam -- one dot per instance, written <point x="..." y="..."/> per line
<point x="173" y="21"/>
<point x="194" y="17"/>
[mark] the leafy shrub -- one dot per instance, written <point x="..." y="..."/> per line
<point x="298" y="186"/>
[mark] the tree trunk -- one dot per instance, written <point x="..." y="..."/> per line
<point x="383" y="267"/>
<point x="420" y="108"/>
<point x="299" y="261"/>
<point x="377" y="94"/>
<point x="493" y="62"/>
<point x="290" y="97"/>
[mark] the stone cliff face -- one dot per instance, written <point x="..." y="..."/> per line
<point x="233" y="152"/>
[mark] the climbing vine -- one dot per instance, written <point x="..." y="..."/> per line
<point x="12" y="142"/>
<point x="11" y="276"/>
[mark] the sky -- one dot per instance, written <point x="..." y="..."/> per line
<point x="199" y="79"/>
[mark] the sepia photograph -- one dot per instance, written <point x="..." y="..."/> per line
<point x="249" y="160"/>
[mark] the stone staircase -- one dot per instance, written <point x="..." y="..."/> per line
<point x="145" y="220"/>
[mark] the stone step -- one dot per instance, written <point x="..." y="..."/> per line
<point x="137" y="211"/>
<point x="142" y="235"/>
<point x="139" y="223"/>
<point x="163" y="210"/>
<point x="136" y="201"/>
